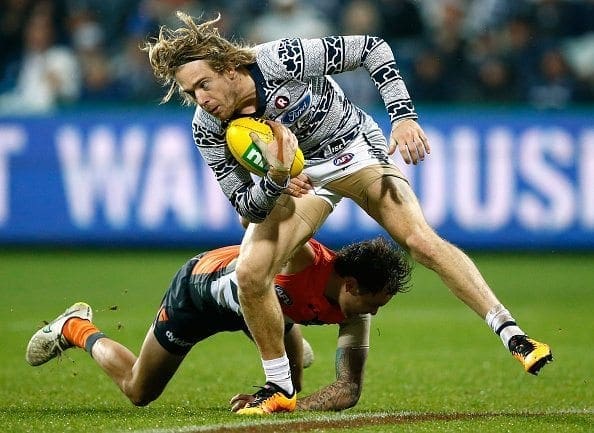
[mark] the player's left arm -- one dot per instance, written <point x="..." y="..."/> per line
<point x="351" y="354"/>
<point x="337" y="54"/>
<point x="375" y="55"/>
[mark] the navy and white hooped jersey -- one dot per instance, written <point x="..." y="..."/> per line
<point x="294" y="87"/>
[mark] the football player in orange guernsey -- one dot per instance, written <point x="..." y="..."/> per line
<point x="317" y="286"/>
<point x="289" y="83"/>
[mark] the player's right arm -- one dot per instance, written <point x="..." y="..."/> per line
<point x="351" y="354"/>
<point x="253" y="201"/>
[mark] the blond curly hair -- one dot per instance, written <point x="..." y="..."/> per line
<point x="174" y="48"/>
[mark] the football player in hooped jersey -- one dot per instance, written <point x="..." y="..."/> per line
<point x="317" y="286"/>
<point x="288" y="83"/>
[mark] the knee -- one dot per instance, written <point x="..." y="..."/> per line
<point x="139" y="402"/>
<point x="425" y="246"/>
<point x="142" y="398"/>
<point x="250" y="279"/>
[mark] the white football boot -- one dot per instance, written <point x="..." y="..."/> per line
<point x="48" y="342"/>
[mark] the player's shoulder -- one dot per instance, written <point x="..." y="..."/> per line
<point x="213" y="260"/>
<point x="206" y="120"/>
<point x="279" y="49"/>
<point x="303" y="258"/>
<point x="207" y="129"/>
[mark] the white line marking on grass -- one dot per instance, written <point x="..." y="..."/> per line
<point x="330" y="421"/>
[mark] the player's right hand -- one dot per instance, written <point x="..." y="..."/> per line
<point x="280" y="152"/>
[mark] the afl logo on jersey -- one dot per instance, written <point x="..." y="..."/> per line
<point x="283" y="297"/>
<point x="343" y="159"/>
<point x="281" y="102"/>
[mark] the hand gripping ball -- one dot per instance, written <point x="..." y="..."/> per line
<point x="247" y="153"/>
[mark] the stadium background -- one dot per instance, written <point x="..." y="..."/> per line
<point x="89" y="159"/>
<point x="505" y="91"/>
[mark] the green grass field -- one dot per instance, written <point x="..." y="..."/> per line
<point x="434" y="365"/>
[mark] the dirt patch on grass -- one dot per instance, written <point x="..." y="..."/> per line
<point x="348" y="422"/>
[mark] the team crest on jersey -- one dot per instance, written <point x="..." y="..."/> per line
<point x="283" y="296"/>
<point x="343" y="159"/>
<point x="281" y="102"/>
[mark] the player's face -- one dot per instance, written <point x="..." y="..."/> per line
<point x="355" y="303"/>
<point x="213" y="91"/>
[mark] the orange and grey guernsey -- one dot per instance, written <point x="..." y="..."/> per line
<point x="301" y="295"/>
<point x="294" y="86"/>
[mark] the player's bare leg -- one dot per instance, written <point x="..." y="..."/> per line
<point x="265" y="248"/>
<point x="142" y="379"/>
<point x="392" y="203"/>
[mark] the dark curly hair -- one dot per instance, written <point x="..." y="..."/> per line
<point x="376" y="264"/>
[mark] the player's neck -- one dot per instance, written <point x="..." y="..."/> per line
<point x="247" y="102"/>
<point x="333" y="287"/>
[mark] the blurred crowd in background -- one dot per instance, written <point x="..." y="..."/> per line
<point x="538" y="53"/>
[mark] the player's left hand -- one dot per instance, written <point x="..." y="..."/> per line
<point x="408" y="136"/>
<point x="240" y="400"/>
<point x="299" y="185"/>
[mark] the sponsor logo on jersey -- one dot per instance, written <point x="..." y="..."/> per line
<point x="283" y="297"/>
<point x="281" y="102"/>
<point x="333" y="149"/>
<point x="293" y="114"/>
<point x="343" y="159"/>
<point x="176" y="340"/>
<point x="253" y="157"/>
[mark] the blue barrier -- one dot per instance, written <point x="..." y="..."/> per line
<point x="494" y="179"/>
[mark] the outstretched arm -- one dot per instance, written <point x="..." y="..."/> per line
<point x="346" y="390"/>
<point x="351" y="354"/>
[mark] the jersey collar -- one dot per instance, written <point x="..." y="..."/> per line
<point x="258" y="77"/>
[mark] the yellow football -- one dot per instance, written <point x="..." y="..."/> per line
<point x="247" y="153"/>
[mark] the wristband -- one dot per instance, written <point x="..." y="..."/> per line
<point x="279" y="171"/>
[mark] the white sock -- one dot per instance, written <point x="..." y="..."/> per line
<point x="278" y="372"/>
<point x="503" y="324"/>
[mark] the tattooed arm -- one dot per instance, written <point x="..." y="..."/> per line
<point x="351" y="353"/>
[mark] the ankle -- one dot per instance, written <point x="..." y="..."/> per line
<point x="76" y="331"/>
